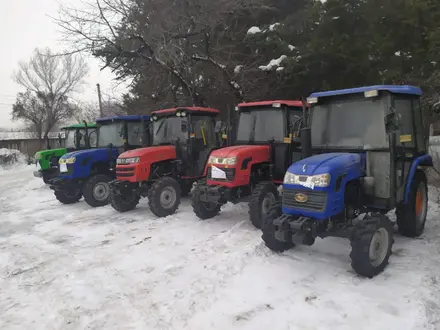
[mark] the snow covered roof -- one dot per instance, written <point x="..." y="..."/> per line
<point x="6" y="136"/>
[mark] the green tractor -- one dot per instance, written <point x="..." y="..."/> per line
<point x="76" y="138"/>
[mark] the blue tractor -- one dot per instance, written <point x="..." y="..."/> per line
<point x="88" y="172"/>
<point x="367" y="152"/>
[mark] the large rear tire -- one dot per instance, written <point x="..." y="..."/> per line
<point x="268" y="229"/>
<point x="164" y="197"/>
<point x="125" y="202"/>
<point x="68" y="196"/>
<point x="411" y="217"/>
<point x="371" y="244"/>
<point x="263" y="197"/>
<point x="97" y="190"/>
<point x="203" y="210"/>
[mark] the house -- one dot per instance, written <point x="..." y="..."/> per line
<point x="26" y="142"/>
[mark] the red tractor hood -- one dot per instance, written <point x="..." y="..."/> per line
<point x="151" y="154"/>
<point x="260" y="152"/>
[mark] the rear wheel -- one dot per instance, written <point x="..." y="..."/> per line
<point x="263" y="197"/>
<point x="371" y="244"/>
<point x="268" y="229"/>
<point x="68" y="196"/>
<point x="203" y="210"/>
<point x="411" y="217"/>
<point x="125" y="202"/>
<point x="164" y="197"/>
<point x="97" y="190"/>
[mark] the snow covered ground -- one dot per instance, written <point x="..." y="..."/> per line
<point x="74" y="267"/>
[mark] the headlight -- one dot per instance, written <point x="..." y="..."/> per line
<point x="123" y="161"/>
<point x="222" y="161"/>
<point x="70" y="160"/>
<point x="320" y="180"/>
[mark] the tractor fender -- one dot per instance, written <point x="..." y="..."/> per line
<point x="424" y="160"/>
<point x="87" y="160"/>
<point x="247" y="157"/>
<point x="147" y="157"/>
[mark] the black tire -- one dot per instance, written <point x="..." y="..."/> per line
<point x="203" y="210"/>
<point x="68" y="197"/>
<point x="97" y="190"/>
<point x="268" y="230"/>
<point x="411" y="220"/>
<point x="160" y="197"/>
<point x="263" y="197"/>
<point x="367" y="232"/>
<point x="124" y="203"/>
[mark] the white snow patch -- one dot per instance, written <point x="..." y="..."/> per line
<point x="280" y="68"/>
<point x="254" y="30"/>
<point x="397" y="53"/>
<point x="291" y="47"/>
<point x="273" y="63"/>
<point x="238" y="68"/>
<point x="11" y="158"/>
<point x="335" y="17"/>
<point x="273" y="26"/>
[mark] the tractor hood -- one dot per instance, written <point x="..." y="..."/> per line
<point x="325" y="163"/>
<point x="151" y="154"/>
<point x="259" y="151"/>
<point x="49" y="152"/>
<point x="99" y="153"/>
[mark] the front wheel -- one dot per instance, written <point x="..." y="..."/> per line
<point x="68" y="196"/>
<point x="263" y="197"/>
<point x="125" y="202"/>
<point x="371" y="244"/>
<point x="164" y="197"/>
<point x="411" y="217"/>
<point x="203" y="210"/>
<point x="268" y="229"/>
<point x="97" y="190"/>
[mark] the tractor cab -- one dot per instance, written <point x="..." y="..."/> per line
<point x="182" y="141"/>
<point x="75" y="138"/>
<point x="87" y="172"/>
<point x="267" y="142"/>
<point x="369" y="150"/>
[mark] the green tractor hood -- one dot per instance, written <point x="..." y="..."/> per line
<point x="43" y="157"/>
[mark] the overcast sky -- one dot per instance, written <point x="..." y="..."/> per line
<point x="24" y="25"/>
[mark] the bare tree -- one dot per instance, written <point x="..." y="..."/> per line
<point x="49" y="80"/>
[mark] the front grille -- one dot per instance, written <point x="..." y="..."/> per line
<point x="124" y="172"/>
<point x="316" y="200"/>
<point x="230" y="174"/>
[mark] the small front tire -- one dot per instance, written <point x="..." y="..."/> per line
<point x="97" y="190"/>
<point x="269" y="229"/>
<point x="68" y="196"/>
<point x="125" y="202"/>
<point x="164" y="197"/>
<point x="263" y="197"/>
<point x="371" y="244"/>
<point x="203" y="210"/>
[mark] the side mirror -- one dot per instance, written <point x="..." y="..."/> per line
<point x="218" y="126"/>
<point x="392" y="121"/>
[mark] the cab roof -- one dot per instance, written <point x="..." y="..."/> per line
<point x="396" y="89"/>
<point x="126" y="118"/>
<point x="190" y="109"/>
<point x="289" y="103"/>
<point x="74" y="126"/>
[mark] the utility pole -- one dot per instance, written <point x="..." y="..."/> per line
<point x="100" y="101"/>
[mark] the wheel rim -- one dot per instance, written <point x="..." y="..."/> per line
<point x="268" y="200"/>
<point x="101" y="191"/>
<point x="379" y="246"/>
<point x="421" y="203"/>
<point x="168" y="197"/>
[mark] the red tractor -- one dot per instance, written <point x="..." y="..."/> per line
<point x="182" y="141"/>
<point x="267" y="143"/>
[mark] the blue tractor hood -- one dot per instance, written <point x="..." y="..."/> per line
<point x="96" y="153"/>
<point x="325" y="163"/>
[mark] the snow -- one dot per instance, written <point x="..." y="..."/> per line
<point x="11" y="158"/>
<point x="254" y="30"/>
<point x="291" y="47"/>
<point x="280" y="68"/>
<point x="76" y="267"/>
<point x="273" y="63"/>
<point x="238" y="69"/>
<point x="272" y="27"/>
<point x="397" y="53"/>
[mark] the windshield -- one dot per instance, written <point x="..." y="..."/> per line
<point x="261" y="125"/>
<point x="72" y="135"/>
<point x="70" y="139"/>
<point x="349" y="123"/>
<point x="167" y="129"/>
<point x="111" y="132"/>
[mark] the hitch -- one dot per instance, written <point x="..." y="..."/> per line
<point x="298" y="230"/>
